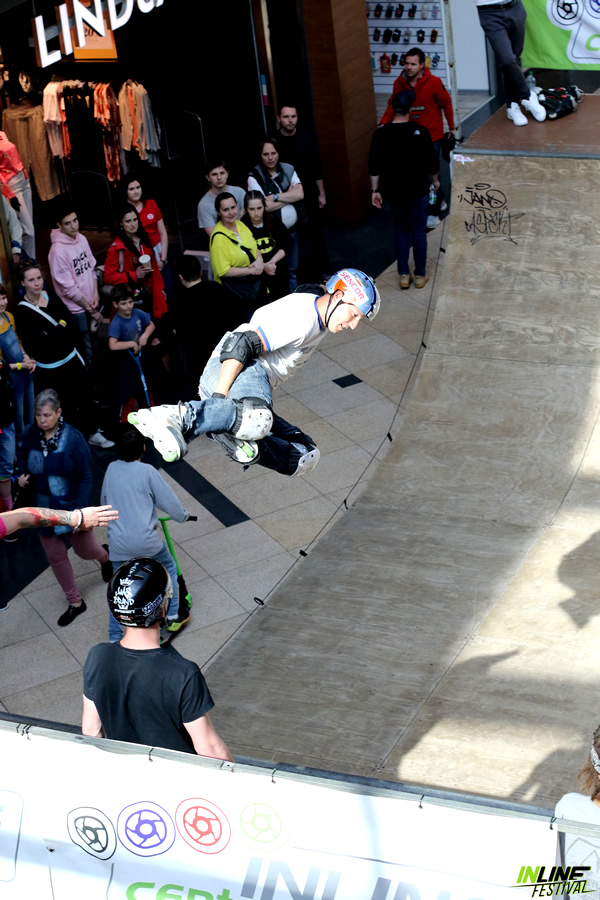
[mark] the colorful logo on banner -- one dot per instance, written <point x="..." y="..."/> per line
<point x="93" y="831"/>
<point x="261" y="826"/>
<point x="146" y="829"/>
<point x="202" y="825"/>
<point x="562" y="34"/>
<point x="560" y="881"/>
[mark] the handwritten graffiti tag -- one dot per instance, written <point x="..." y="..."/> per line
<point x="490" y="216"/>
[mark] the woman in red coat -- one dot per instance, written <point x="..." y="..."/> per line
<point x="122" y="265"/>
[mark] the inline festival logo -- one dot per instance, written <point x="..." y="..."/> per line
<point x="582" y="19"/>
<point x="560" y="881"/>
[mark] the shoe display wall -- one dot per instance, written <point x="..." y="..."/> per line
<point x="431" y="40"/>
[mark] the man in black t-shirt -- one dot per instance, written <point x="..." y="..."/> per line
<point x="137" y="691"/>
<point x="403" y="155"/>
<point x="299" y="148"/>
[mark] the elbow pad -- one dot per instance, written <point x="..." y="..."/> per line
<point x="243" y="346"/>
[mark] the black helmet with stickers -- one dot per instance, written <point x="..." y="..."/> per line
<point x="138" y="591"/>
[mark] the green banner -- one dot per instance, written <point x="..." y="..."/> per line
<point x="562" y="34"/>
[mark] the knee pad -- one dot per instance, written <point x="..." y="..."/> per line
<point x="254" y="419"/>
<point x="303" y="458"/>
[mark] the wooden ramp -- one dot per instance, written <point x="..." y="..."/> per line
<point x="446" y="630"/>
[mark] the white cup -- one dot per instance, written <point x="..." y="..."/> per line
<point x="144" y="260"/>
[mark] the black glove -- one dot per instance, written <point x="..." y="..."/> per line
<point x="15" y="204"/>
<point x="217" y="396"/>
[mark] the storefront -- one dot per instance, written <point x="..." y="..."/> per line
<point x="201" y="97"/>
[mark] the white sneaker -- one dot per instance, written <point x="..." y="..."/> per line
<point x="254" y="419"/>
<point x="165" y="426"/>
<point x="515" y="114"/>
<point x="443" y="206"/>
<point x="244" y="452"/>
<point x="433" y="221"/>
<point x="98" y="440"/>
<point x="533" y="105"/>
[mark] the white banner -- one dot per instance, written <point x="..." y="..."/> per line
<point x="78" y="821"/>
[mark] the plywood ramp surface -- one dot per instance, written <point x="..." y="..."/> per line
<point x="446" y="630"/>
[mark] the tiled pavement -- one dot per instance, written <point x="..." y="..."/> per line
<point x="226" y="568"/>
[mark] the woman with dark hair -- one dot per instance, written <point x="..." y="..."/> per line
<point x="126" y="263"/>
<point x="273" y="241"/>
<point x="577" y="849"/>
<point x="45" y="326"/>
<point x="281" y="187"/>
<point x="150" y="216"/>
<point x="236" y="261"/>
<point x="58" y="465"/>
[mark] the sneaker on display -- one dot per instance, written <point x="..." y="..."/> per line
<point x="165" y="426"/>
<point x="532" y="105"/>
<point x="98" y="440"/>
<point x="515" y="114"/>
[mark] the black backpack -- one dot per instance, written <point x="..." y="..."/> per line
<point x="559" y="102"/>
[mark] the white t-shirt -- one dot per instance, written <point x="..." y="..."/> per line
<point x="291" y="329"/>
<point x="207" y="214"/>
<point x="580" y="850"/>
<point x="289" y="216"/>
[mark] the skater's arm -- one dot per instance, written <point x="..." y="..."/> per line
<point x="90" y="721"/>
<point x="230" y="370"/>
<point x="206" y="740"/>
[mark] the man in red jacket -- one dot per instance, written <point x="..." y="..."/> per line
<point x="431" y="97"/>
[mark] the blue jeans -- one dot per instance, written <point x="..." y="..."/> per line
<point x="410" y="224"/>
<point x="115" y="630"/>
<point x="218" y="416"/>
<point x="8" y="449"/>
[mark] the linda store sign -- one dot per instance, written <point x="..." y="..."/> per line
<point x="85" y="29"/>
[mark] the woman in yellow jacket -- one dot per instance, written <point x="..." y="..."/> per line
<point x="236" y="261"/>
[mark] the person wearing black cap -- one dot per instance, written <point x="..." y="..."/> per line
<point x="137" y="691"/>
<point x="403" y="156"/>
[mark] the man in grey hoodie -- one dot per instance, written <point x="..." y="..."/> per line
<point x="72" y="266"/>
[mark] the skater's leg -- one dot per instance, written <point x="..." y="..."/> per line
<point x="288" y="450"/>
